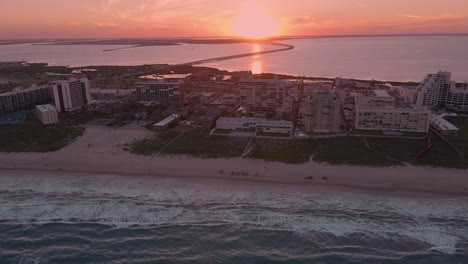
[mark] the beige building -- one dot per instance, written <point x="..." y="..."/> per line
<point x="392" y="119"/>
<point x="47" y="114"/>
<point x="322" y="113"/>
<point x="378" y="98"/>
<point x="263" y="97"/>
<point x="257" y="123"/>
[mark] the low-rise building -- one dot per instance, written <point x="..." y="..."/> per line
<point x="208" y="120"/>
<point x="167" y="122"/>
<point x="444" y="127"/>
<point x="47" y="114"/>
<point x="392" y="119"/>
<point x="378" y="98"/>
<point x="257" y="123"/>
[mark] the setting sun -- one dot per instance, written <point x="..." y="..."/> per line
<point x="255" y="24"/>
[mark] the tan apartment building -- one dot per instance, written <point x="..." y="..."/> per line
<point x="392" y="119"/>
<point x="322" y="113"/>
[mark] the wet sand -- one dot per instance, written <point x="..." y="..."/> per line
<point x="97" y="152"/>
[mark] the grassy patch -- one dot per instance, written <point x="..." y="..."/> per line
<point x="32" y="136"/>
<point x="149" y="146"/>
<point x="268" y="134"/>
<point x="286" y="151"/>
<point x="194" y="143"/>
<point x="441" y="155"/>
<point x="199" y="144"/>
<point x="349" y="151"/>
<point x="401" y="149"/>
<point x="222" y="131"/>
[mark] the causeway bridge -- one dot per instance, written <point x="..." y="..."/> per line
<point x="282" y="47"/>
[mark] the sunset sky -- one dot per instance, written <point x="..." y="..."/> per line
<point x="204" y="18"/>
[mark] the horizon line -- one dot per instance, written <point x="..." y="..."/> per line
<point x="239" y="37"/>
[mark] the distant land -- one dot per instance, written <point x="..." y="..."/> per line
<point x="141" y="42"/>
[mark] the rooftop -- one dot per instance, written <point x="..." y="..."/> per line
<point x="392" y="109"/>
<point x="443" y="124"/>
<point x="167" y="120"/>
<point x="46" y="108"/>
<point x="381" y="93"/>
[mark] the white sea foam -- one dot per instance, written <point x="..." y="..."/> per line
<point x="127" y="201"/>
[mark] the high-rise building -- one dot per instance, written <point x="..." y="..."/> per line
<point x="71" y="94"/>
<point x="22" y="99"/>
<point x="322" y="113"/>
<point x="161" y="91"/>
<point x="392" y="119"/>
<point x="263" y="97"/>
<point x="438" y="89"/>
<point x="457" y="95"/>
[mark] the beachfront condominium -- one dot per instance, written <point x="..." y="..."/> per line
<point x="161" y="91"/>
<point x="71" y="94"/>
<point x="322" y="113"/>
<point x="262" y="97"/>
<point x="24" y="99"/>
<point x="438" y="89"/>
<point x="392" y="119"/>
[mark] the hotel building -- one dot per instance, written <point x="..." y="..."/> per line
<point x="71" y="94"/>
<point x="322" y="113"/>
<point x="161" y="91"/>
<point x="22" y="99"/>
<point x="392" y="119"/>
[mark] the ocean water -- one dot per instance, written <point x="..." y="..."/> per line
<point x="68" y="218"/>
<point x="398" y="58"/>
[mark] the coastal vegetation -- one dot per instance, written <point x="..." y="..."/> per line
<point x="194" y="142"/>
<point x="351" y="150"/>
<point x="32" y="136"/>
<point x="286" y="151"/>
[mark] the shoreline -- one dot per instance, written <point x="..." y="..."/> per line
<point x="338" y="185"/>
<point x="108" y="158"/>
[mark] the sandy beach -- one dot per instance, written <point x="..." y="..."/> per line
<point x="98" y="152"/>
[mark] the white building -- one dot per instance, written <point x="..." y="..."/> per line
<point x="392" y="119"/>
<point x="438" y="89"/>
<point x="378" y="98"/>
<point x="322" y="113"/>
<point x="431" y="88"/>
<point x="444" y="127"/>
<point x="260" y="124"/>
<point x="25" y="98"/>
<point x="167" y="122"/>
<point x="161" y="91"/>
<point x="457" y="95"/>
<point x="47" y="114"/>
<point x="71" y="94"/>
